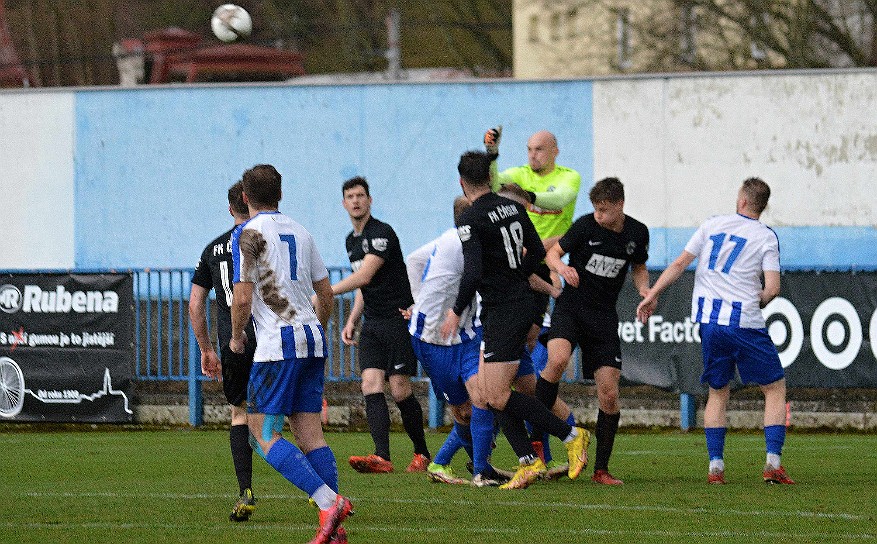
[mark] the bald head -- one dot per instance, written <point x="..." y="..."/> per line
<point x="541" y="152"/>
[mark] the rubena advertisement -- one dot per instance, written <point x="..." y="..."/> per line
<point x="823" y="324"/>
<point x="66" y="352"/>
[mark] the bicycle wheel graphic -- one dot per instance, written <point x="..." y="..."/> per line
<point x="11" y="388"/>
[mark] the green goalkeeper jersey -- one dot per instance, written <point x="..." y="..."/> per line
<point x="556" y="193"/>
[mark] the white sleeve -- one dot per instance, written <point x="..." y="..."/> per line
<point x="696" y="242"/>
<point x="771" y="258"/>
<point x="415" y="263"/>
<point x="318" y="268"/>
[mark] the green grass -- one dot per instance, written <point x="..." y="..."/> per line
<point x="168" y="486"/>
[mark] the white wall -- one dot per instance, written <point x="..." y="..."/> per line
<point x="683" y="145"/>
<point x="137" y="178"/>
<point x="36" y="180"/>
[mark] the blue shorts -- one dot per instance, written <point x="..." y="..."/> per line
<point x="750" y="351"/>
<point x="526" y="366"/>
<point x="539" y="355"/>
<point x="448" y="367"/>
<point x="286" y="387"/>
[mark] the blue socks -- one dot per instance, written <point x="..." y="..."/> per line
<point x="292" y="464"/>
<point x="715" y="442"/>
<point x="482" y="437"/>
<point x="775" y="437"/>
<point x="322" y="460"/>
<point x="449" y="448"/>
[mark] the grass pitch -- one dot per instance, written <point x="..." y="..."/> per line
<point x="169" y="486"/>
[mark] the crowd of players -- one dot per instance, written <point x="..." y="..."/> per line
<point x="472" y="307"/>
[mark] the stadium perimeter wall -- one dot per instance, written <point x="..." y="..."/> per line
<point x="97" y="178"/>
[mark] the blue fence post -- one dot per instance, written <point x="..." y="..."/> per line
<point x="196" y="398"/>
<point x="687" y="411"/>
<point x="436" y="410"/>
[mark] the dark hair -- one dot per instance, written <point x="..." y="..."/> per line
<point x="461" y="204"/>
<point x="353" y="182"/>
<point x="474" y="168"/>
<point x="757" y="192"/>
<point x="262" y="185"/>
<point x="236" y="199"/>
<point x="607" y="190"/>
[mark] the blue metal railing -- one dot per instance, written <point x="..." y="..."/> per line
<point x="166" y="350"/>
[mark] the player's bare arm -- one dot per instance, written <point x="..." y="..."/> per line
<point x="241" y="308"/>
<point x="348" y="332"/>
<point x="554" y="262"/>
<point x="324" y="301"/>
<point x="361" y="277"/>
<point x="639" y="274"/>
<point x="547" y="243"/>
<point x="667" y="277"/>
<point x="771" y="287"/>
<point x="210" y="364"/>
<point x="450" y="324"/>
<point x="541" y="286"/>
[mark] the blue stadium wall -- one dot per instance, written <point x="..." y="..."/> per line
<point x="117" y="178"/>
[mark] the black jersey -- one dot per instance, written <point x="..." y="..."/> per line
<point x="602" y="257"/>
<point x="214" y="271"/>
<point x="389" y="289"/>
<point x="495" y="231"/>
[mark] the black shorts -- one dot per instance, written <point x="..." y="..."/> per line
<point x="540" y="306"/>
<point x="540" y="300"/>
<point x="596" y="335"/>
<point x="505" y="330"/>
<point x="385" y="344"/>
<point x="236" y="373"/>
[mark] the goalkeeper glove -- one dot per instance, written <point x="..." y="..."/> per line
<point x="491" y="140"/>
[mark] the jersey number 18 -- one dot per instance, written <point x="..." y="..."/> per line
<point x="513" y="239"/>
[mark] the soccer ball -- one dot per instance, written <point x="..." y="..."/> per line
<point x="230" y="22"/>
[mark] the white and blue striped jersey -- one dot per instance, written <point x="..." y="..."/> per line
<point x="279" y="257"/>
<point x="434" y="272"/>
<point x="732" y="252"/>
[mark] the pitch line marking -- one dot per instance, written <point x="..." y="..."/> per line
<point x="464" y="502"/>
<point x="442" y="529"/>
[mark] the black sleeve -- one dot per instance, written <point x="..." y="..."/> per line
<point x="202" y="276"/>
<point x="642" y="250"/>
<point x="472" y="260"/>
<point x="571" y="237"/>
<point x="382" y="240"/>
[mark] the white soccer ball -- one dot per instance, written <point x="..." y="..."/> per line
<point x="231" y="22"/>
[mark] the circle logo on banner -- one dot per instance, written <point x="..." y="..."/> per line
<point x="785" y="328"/>
<point x="10" y="299"/>
<point x="872" y="333"/>
<point x="836" y="333"/>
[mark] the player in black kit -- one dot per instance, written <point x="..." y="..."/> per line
<point x="214" y="271"/>
<point x="601" y="246"/>
<point x="500" y="251"/>
<point x="385" y="353"/>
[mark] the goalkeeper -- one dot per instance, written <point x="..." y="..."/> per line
<point x="550" y="191"/>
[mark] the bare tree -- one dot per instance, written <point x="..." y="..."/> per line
<point x="744" y="34"/>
